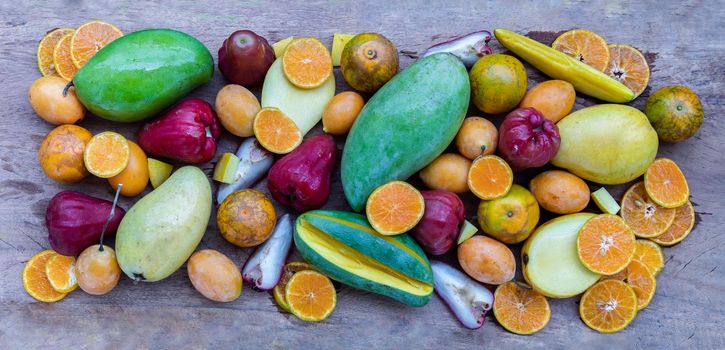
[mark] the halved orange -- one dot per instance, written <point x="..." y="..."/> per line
<point x="490" y="177"/>
<point x="106" y="154"/>
<point x="35" y="281"/>
<point x="394" y="208"/>
<point x="520" y="309"/>
<point x="605" y="244"/>
<point x="310" y="295"/>
<point x="584" y="45"/>
<point x="62" y="61"/>
<point x="666" y="184"/>
<point x="645" y="217"/>
<point x="608" y="306"/>
<point x="275" y="131"/>
<point x="307" y="63"/>
<point x="650" y="254"/>
<point x="90" y="38"/>
<point x="60" y="270"/>
<point x="46" y="47"/>
<point x="290" y="269"/>
<point x="628" y="66"/>
<point x="681" y="226"/>
<point x="638" y="276"/>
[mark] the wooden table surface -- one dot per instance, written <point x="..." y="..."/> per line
<point x="683" y="41"/>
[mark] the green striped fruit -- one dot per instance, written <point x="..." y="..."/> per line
<point x="344" y="247"/>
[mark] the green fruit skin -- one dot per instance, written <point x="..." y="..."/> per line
<point x="675" y="113"/>
<point x="367" y="74"/>
<point x="141" y="74"/>
<point x="492" y="215"/>
<point x="407" y="124"/>
<point x="160" y="232"/>
<point x="608" y="144"/>
<point x="498" y="83"/>
<point x="353" y="231"/>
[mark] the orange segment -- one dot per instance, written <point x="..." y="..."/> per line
<point x="584" y="45"/>
<point x="628" y="66"/>
<point x="106" y="154"/>
<point x="61" y="58"/>
<point x="681" y="226"/>
<point x="638" y="276"/>
<point x="608" y="306"/>
<point x="490" y="177"/>
<point x="666" y="184"/>
<point x="650" y="254"/>
<point x="605" y="244"/>
<point x="275" y="131"/>
<point x="520" y="309"/>
<point x="290" y="269"/>
<point x="394" y="208"/>
<point x="310" y="295"/>
<point x="35" y="281"/>
<point x="90" y="38"/>
<point x="307" y="63"/>
<point x="645" y="217"/>
<point x="60" y="270"/>
<point x="46" y="47"/>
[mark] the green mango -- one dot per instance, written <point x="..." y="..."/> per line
<point x="159" y="233"/>
<point x="142" y="73"/>
<point x="608" y="144"/>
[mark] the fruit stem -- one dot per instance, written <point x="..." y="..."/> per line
<point x="110" y="216"/>
<point x="67" y="86"/>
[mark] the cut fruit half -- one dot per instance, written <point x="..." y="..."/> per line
<point x="467" y="231"/>
<point x="681" y="226"/>
<point x="605" y="202"/>
<point x="310" y="296"/>
<point x="650" y="254"/>
<point x="35" y="280"/>
<point x="62" y="61"/>
<point x="394" y="208"/>
<point x="290" y="269"/>
<point x="666" y="184"/>
<point x="520" y="309"/>
<point x="638" y="276"/>
<point x="226" y="168"/>
<point x="46" y="46"/>
<point x="90" y="38"/>
<point x="628" y="66"/>
<point x="490" y="177"/>
<point x="645" y="217"/>
<point x="609" y="306"/>
<point x="307" y="63"/>
<point x="61" y="273"/>
<point x="584" y="45"/>
<point x="159" y="171"/>
<point x="106" y="154"/>
<point x="275" y="131"/>
<point x="605" y="244"/>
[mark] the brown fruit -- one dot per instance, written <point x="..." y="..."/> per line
<point x="46" y="98"/>
<point x="236" y="107"/>
<point x="61" y="153"/>
<point x="477" y="136"/>
<point x="487" y="260"/>
<point x="448" y="172"/>
<point x="553" y="98"/>
<point x="341" y="112"/>
<point x="246" y="218"/>
<point x="368" y="61"/>
<point x="214" y="275"/>
<point x="560" y="192"/>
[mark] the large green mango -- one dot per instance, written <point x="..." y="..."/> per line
<point x="140" y="74"/>
<point x="608" y="144"/>
<point x="159" y="233"/>
<point x="346" y="248"/>
<point x="405" y="125"/>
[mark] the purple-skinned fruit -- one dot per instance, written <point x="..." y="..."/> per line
<point x="438" y="230"/>
<point x="75" y="220"/>
<point x="245" y="57"/>
<point x="468" y="300"/>
<point x="301" y="179"/>
<point x="527" y="139"/>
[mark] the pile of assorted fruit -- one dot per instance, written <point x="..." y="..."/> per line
<point x="409" y="120"/>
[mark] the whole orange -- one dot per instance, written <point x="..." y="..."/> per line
<point x="511" y="218"/>
<point x="246" y="218"/>
<point x="136" y="175"/>
<point x="61" y="153"/>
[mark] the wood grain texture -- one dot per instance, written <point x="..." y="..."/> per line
<point x="685" y="45"/>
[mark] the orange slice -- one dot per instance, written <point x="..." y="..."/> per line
<point x="681" y="226"/>
<point x="628" y="66"/>
<point x="394" y="208"/>
<point x="46" y="47"/>
<point x="608" y="306"/>
<point x="35" y="281"/>
<point x="584" y="45"/>
<point x="310" y="295"/>
<point x="275" y="131"/>
<point x="290" y="269"/>
<point x="650" y="254"/>
<point x="60" y="270"/>
<point x="645" y="217"/>
<point x="520" y="309"/>
<point x="106" y="154"/>
<point x="638" y="276"/>
<point x="490" y="177"/>
<point x="307" y="63"/>
<point x="605" y="244"/>
<point x="90" y="38"/>
<point x="666" y="184"/>
<point x="62" y="61"/>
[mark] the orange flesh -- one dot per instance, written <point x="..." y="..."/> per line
<point x="46" y="48"/>
<point x="628" y="66"/>
<point x="490" y="177"/>
<point x="106" y="154"/>
<point x="62" y="60"/>
<point x="605" y="244"/>
<point x="666" y="184"/>
<point x="681" y="226"/>
<point x="520" y="310"/>
<point x="585" y="46"/>
<point x="91" y="38"/>
<point x="307" y="63"/>
<point x="36" y="281"/>
<point x="310" y="295"/>
<point x="645" y="217"/>
<point x="608" y="306"/>
<point x="394" y="208"/>
<point x="276" y="132"/>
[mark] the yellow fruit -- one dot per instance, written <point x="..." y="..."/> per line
<point x="511" y="218"/>
<point x="159" y="171"/>
<point x="280" y="46"/>
<point x="226" y="168"/>
<point x="338" y="44"/>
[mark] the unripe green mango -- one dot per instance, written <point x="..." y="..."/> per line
<point x="161" y="231"/>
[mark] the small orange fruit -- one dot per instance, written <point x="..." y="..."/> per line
<point x="650" y="254"/>
<point x="520" y="309"/>
<point x="477" y="136"/>
<point x="36" y="282"/>
<point x="585" y="46"/>
<point x="628" y="66"/>
<point x="310" y="295"/>
<point x="106" y="154"/>
<point x="394" y="208"/>
<point x="560" y="192"/>
<point x="246" y="218"/>
<point x="61" y="153"/>
<point x="666" y="184"/>
<point x="605" y="244"/>
<point x="47" y="99"/>
<point x="645" y="217"/>
<point x="307" y="63"/>
<point x="681" y="226"/>
<point x="290" y="269"/>
<point x="97" y="270"/>
<point x="62" y="61"/>
<point x="214" y="275"/>
<point x="60" y="270"/>
<point x="90" y="38"/>
<point x="608" y="306"/>
<point x="135" y="176"/>
<point x="275" y="131"/>
<point x="553" y="98"/>
<point x="490" y="177"/>
<point x="46" y="47"/>
<point x="638" y="276"/>
<point x="448" y="172"/>
<point x="341" y="112"/>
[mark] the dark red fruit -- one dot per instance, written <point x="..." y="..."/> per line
<point x="245" y="57"/>
<point x="527" y="139"/>
<point x="438" y="230"/>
